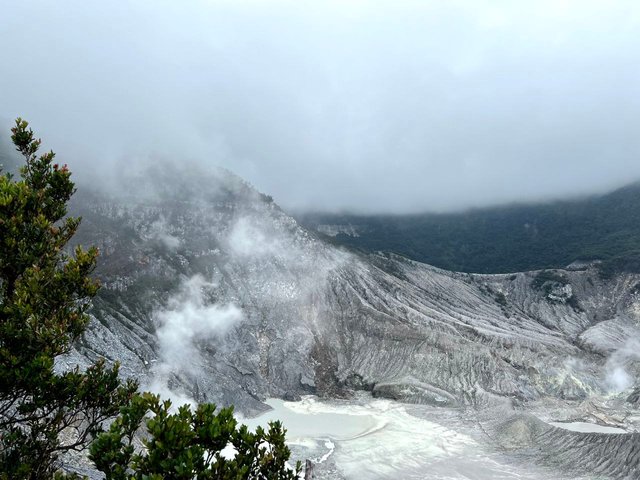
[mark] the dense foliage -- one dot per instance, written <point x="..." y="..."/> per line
<point x="44" y="295"/>
<point x="508" y="239"/>
<point x="188" y="444"/>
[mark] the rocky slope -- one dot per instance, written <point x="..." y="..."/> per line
<point x="214" y="293"/>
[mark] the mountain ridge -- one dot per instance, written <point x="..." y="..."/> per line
<point x="503" y="239"/>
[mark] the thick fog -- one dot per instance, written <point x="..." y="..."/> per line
<point x="371" y="106"/>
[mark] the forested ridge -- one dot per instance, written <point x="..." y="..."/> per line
<point x="508" y="238"/>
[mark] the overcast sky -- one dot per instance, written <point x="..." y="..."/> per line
<point x="370" y="106"/>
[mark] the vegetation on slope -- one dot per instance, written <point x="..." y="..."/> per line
<point x="507" y="239"/>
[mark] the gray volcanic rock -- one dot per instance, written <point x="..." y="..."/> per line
<point x="319" y="319"/>
<point x="634" y="397"/>
<point x="605" y="455"/>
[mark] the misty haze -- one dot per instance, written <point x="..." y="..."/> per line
<point x="409" y="231"/>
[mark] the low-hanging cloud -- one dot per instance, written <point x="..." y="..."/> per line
<point x="362" y="105"/>
<point x="158" y="232"/>
<point x="249" y="239"/>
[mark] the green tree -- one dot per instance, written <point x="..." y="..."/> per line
<point x="44" y="296"/>
<point x="187" y="444"/>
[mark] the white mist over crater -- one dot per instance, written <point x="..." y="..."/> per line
<point x="187" y="320"/>
<point x="618" y="379"/>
